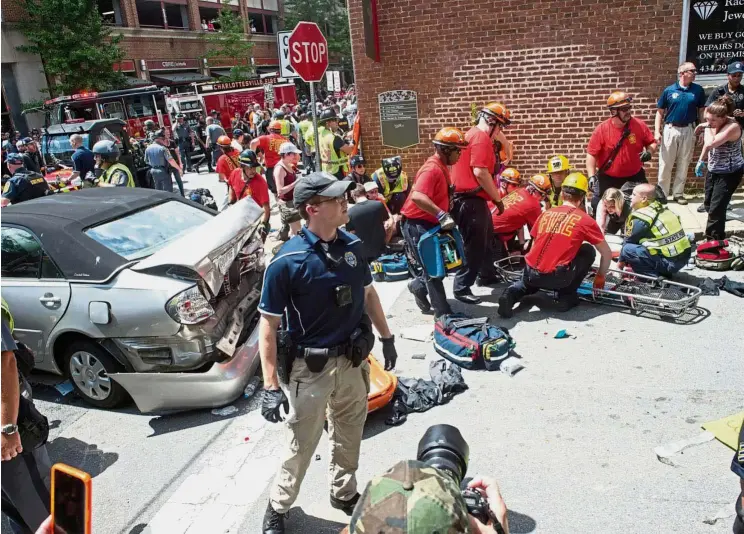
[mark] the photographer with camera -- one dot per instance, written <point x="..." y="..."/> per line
<point x="423" y="496"/>
<point x="318" y="288"/>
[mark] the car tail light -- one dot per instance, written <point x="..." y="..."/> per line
<point x="189" y="307"/>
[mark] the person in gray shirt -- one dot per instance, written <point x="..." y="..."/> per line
<point x="214" y="131"/>
<point x="159" y="158"/>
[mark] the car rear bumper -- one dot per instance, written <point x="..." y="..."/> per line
<point x="221" y="384"/>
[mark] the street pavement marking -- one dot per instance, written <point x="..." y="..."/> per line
<point x="215" y="497"/>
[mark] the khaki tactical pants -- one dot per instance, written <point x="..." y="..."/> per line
<point x="339" y="392"/>
<point x="677" y="145"/>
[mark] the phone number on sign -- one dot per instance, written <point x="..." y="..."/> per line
<point x="712" y="68"/>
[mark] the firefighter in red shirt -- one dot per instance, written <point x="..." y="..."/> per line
<point x="247" y="182"/>
<point x="618" y="148"/>
<point x="509" y="180"/>
<point x="521" y="207"/>
<point x="473" y="178"/>
<point x="428" y="205"/>
<point x="269" y="145"/>
<point x="227" y="162"/>
<point x="559" y="259"/>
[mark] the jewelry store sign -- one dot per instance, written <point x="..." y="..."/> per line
<point x="715" y="34"/>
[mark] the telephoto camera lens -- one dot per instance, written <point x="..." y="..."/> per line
<point x="443" y="447"/>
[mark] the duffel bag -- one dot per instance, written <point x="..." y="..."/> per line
<point x="720" y="255"/>
<point x="390" y="267"/>
<point x="471" y="343"/>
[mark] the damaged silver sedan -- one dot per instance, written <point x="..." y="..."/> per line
<point x="136" y="293"/>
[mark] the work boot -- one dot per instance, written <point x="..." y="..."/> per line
<point x="567" y="302"/>
<point x="273" y="521"/>
<point x="490" y="281"/>
<point x="506" y="304"/>
<point x="467" y="297"/>
<point x="346" y="507"/>
<point x="702" y="208"/>
<point x="682" y="201"/>
<point x="421" y="298"/>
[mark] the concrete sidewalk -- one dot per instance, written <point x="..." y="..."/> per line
<point x="695" y="222"/>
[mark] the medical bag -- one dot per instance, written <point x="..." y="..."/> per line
<point x="471" y="343"/>
<point x="720" y="255"/>
<point x="390" y="268"/>
<point x="441" y="251"/>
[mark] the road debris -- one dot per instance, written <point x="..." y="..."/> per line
<point x="64" y="388"/>
<point x="227" y="410"/>
<point x="665" y="452"/>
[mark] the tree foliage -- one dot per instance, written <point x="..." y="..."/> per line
<point x="230" y="43"/>
<point x="333" y="19"/>
<point x="78" y="51"/>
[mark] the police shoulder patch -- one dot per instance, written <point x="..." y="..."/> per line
<point x="350" y="258"/>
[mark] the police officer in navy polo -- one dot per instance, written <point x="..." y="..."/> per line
<point x="23" y="184"/>
<point x="317" y="308"/>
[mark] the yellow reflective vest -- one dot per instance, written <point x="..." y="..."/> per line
<point x="330" y="159"/>
<point x="8" y="316"/>
<point x="401" y="184"/>
<point x="118" y="167"/>
<point x="667" y="238"/>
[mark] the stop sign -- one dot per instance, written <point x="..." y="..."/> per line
<point x="308" y="51"/>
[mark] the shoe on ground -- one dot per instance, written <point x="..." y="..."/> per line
<point x="346" y="507"/>
<point x="702" y="208"/>
<point x="467" y="297"/>
<point x="273" y="521"/>
<point x="420" y="297"/>
<point x="506" y="305"/>
<point x="682" y="201"/>
<point x="567" y="302"/>
<point x="490" y="281"/>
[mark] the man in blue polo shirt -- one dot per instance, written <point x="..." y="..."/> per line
<point x="83" y="161"/>
<point x="678" y="108"/>
<point x="318" y="289"/>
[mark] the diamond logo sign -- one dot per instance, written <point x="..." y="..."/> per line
<point x="705" y="9"/>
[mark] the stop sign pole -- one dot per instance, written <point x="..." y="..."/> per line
<point x="308" y="55"/>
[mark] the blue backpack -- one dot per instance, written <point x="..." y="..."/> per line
<point x="390" y="267"/>
<point x="441" y="252"/>
<point x="471" y="343"/>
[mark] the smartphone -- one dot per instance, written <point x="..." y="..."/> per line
<point x="71" y="500"/>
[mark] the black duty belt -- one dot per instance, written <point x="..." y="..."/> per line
<point x="331" y="352"/>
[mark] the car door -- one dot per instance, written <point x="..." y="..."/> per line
<point x="33" y="287"/>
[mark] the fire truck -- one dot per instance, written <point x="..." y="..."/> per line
<point x="133" y="106"/>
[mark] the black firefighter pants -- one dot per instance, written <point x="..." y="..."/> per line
<point x="474" y="221"/>
<point x="433" y="287"/>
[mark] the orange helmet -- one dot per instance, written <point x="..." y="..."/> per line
<point x="275" y="126"/>
<point x="497" y="111"/>
<point x="619" y="99"/>
<point x="541" y="183"/>
<point x="511" y="176"/>
<point x="450" y="137"/>
<point x="223" y="141"/>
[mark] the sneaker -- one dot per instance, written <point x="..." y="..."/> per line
<point x="702" y="208"/>
<point x="567" y="302"/>
<point x="273" y="521"/>
<point x="421" y="298"/>
<point x="506" y="305"/>
<point x="682" y="201"/>
<point x="346" y="507"/>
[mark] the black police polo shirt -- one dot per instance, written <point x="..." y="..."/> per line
<point x="737" y="97"/>
<point x="300" y="286"/>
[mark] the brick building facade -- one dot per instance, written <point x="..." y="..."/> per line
<point x="553" y="63"/>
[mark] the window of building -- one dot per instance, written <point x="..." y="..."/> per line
<point x="150" y="15"/>
<point x="107" y="12"/>
<point x="271" y="5"/>
<point x="208" y="17"/>
<point x="175" y="18"/>
<point x="257" y="23"/>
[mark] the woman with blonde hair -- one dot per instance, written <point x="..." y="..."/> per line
<point x="725" y="163"/>
<point x="612" y="211"/>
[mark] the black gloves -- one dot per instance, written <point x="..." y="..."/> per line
<point x="263" y="230"/>
<point x="645" y="156"/>
<point x="500" y="207"/>
<point x="389" y="352"/>
<point x="271" y="404"/>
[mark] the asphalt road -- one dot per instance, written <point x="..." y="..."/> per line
<point x="570" y="438"/>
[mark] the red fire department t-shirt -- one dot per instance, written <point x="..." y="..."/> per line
<point x="479" y="153"/>
<point x="558" y="233"/>
<point x="256" y="187"/>
<point x="628" y="160"/>
<point x="520" y="208"/>
<point x="432" y="181"/>
<point x="270" y="145"/>
<point x="227" y="163"/>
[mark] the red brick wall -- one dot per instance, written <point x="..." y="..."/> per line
<point x="553" y="63"/>
<point x="180" y="48"/>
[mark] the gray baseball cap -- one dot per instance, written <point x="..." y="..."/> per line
<point x="320" y="184"/>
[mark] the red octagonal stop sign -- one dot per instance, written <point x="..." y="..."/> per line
<point x="308" y="51"/>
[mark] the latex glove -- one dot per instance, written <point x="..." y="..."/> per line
<point x="271" y="404"/>
<point x="599" y="281"/>
<point x="646" y="156"/>
<point x="389" y="352"/>
<point x="446" y="222"/>
<point x="700" y="168"/>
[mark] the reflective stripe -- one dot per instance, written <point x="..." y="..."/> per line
<point x="401" y="184"/>
<point x="330" y="159"/>
<point x="668" y="238"/>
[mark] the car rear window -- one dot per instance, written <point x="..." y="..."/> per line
<point x="142" y="233"/>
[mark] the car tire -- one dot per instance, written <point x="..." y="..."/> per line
<point x="88" y="365"/>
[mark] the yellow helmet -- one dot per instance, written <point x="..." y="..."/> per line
<point x="558" y="163"/>
<point x="576" y="180"/>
